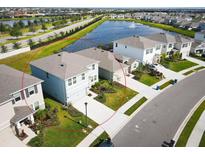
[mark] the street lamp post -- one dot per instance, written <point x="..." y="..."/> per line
<point x="86" y="114"/>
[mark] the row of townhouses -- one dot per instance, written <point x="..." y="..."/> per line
<point x="68" y="77"/>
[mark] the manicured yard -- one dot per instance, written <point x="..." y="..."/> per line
<point x="113" y="95"/>
<point x="184" y="136"/>
<point x="68" y="133"/>
<point x="21" y="61"/>
<point x="134" y="107"/>
<point x="99" y="139"/>
<point x="178" y="65"/>
<point x="198" y="57"/>
<point x="166" y="84"/>
<point x="202" y="142"/>
<point x="148" y="79"/>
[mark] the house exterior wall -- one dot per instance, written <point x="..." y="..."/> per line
<point x="6" y="112"/>
<point x="119" y="75"/>
<point x="199" y="36"/>
<point x="184" y="50"/>
<point x="52" y="85"/>
<point x="105" y="74"/>
<point x="30" y="99"/>
<point x="133" y="66"/>
<point x="132" y="52"/>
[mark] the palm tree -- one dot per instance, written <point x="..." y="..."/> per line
<point x="16" y="45"/>
<point x="4" y="49"/>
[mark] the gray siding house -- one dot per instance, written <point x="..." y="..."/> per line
<point x="20" y="97"/>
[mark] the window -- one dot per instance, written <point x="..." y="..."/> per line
<point x="158" y="47"/>
<point x="74" y="80"/>
<point x="93" y="66"/>
<point x="164" y="46"/>
<point x="83" y="76"/>
<point x="91" y="78"/>
<point x="170" y="45"/>
<point x="69" y="82"/>
<point x="17" y="97"/>
<point x="31" y="90"/>
<point x="184" y="45"/>
<point x="125" y="46"/>
<point x="36" y="105"/>
<point x="47" y="75"/>
<point x="151" y="50"/>
<point x="116" y="45"/>
<point x="147" y="51"/>
<point x="95" y="77"/>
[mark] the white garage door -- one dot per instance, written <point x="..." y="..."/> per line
<point x="78" y="94"/>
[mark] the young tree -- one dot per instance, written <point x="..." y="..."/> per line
<point x="62" y="33"/>
<point x="21" y="24"/>
<point x="17" y="45"/>
<point x="4" y="49"/>
<point x="30" y="42"/>
<point x="15" y="32"/>
<point x="44" y="27"/>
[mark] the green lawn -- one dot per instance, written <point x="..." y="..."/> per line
<point x="117" y="97"/>
<point x="202" y="142"/>
<point x="197" y="57"/>
<point x="178" y="65"/>
<point x="194" y="70"/>
<point x="21" y="61"/>
<point x="148" y="79"/>
<point x="184" y="136"/>
<point x="166" y="84"/>
<point x="68" y="133"/>
<point x="134" y="107"/>
<point x="99" y="139"/>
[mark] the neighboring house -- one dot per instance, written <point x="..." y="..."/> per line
<point x="131" y="62"/>
<point x="198" y="48"/>
<point x="109" y="67"/>
<point x="138" y="47"/>
<point x="67" y="76"/>
<point x="20" y="97"/>
<point x="147" y="49"/>
<point x="200" y="36"/>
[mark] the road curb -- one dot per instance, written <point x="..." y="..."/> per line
<point x="183" y="124"/>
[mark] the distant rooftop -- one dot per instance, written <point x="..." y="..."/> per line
<point x="64" y="64"/>
<point x="12" y="80"/>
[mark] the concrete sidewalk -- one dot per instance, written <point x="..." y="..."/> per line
<point x="197" y="132"/>
<point x="200" y="62"/>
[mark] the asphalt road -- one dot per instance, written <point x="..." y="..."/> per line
<point x="159" y="120"/>
<point x="53" y="33"/>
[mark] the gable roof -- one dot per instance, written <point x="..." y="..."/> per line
<point x="64" y="64"/>
<point x="12" y="80"/>
<point x="162" y="37"/>
<point x="106" y="58"/>
<point x="138" y="42"/>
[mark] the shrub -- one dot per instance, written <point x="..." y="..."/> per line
<point x="101" y="98"/>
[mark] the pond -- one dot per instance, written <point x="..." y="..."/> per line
<point x="110" y="31"/>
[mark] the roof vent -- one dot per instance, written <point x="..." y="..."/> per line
<point x="102" y="50"/>
<point x="61" y="65"/>
<point x="59" y="54"/>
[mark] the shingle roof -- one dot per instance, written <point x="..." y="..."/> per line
<point x="139" y="42"/>
<point x="64" y="64"/>
<point x="162" y="37"/>
<point x="106" y="58"/>
<point x="21" y="112"/>
<point x="12" y="80"/>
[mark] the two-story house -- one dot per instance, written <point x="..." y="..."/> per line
<point x="138" y="47"/>
<point x="109" y="67"/>
<point x="67" y="76"/>
<point x="147" y="49"/>
<point x="20" y="97"/>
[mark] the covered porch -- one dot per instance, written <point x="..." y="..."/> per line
<point x="21" y="122"/>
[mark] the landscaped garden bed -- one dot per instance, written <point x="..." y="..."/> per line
<point x="112" y="94"/>
<point x="147" y="75"/>
<point x="59" y="126"/>
<point x="175" y="63"/>
<point x="134" y="107"/>
<point x="184" y="136"/>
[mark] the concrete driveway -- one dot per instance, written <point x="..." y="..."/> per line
<point x="8" y="139"/>
<point x="108" y="119"/>
<point x="160" y="119"/>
